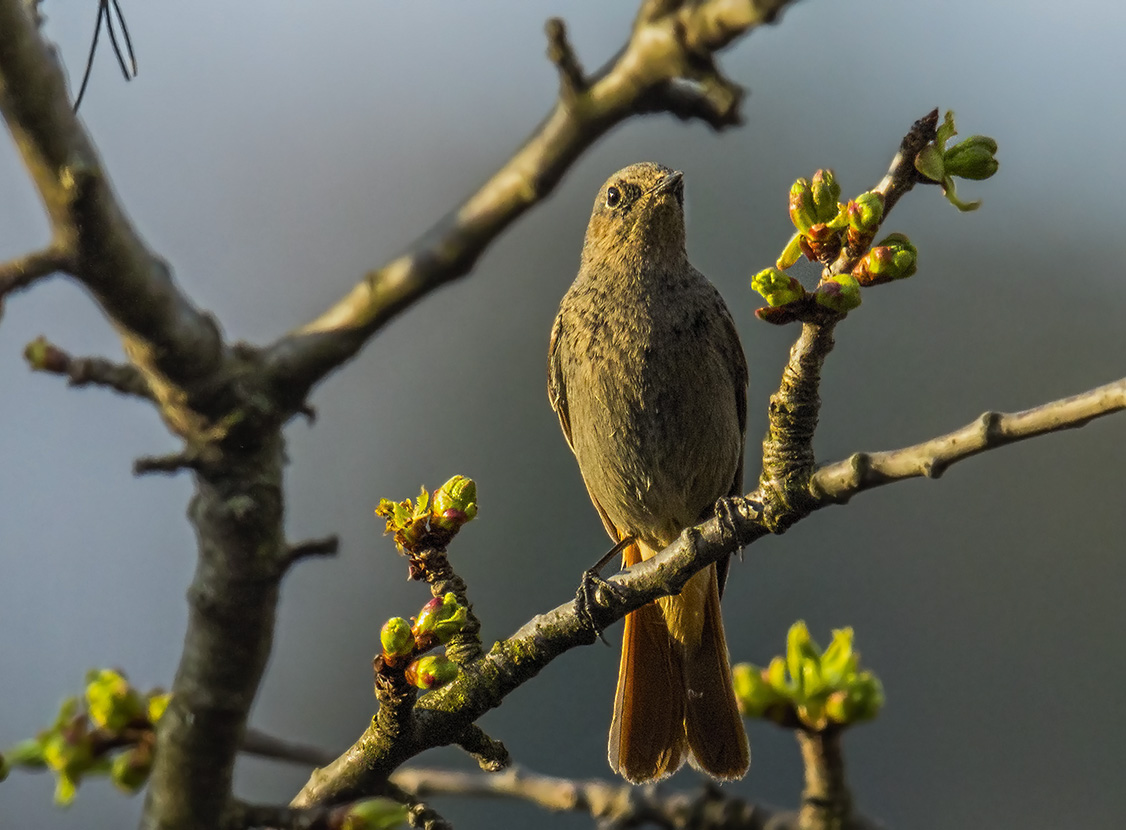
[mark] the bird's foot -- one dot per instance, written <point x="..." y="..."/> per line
<point x="596" y="593"/>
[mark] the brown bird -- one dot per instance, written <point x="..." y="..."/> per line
<point x="648" y="377"/>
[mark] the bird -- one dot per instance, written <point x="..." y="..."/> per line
<point x="649" y="380"/>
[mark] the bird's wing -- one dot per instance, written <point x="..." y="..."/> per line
<point x="557" y="396"/>
<point x="737" y="364"/>
<point x="556" y="387"/>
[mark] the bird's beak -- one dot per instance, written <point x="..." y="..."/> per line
<point x="670" y="183"/>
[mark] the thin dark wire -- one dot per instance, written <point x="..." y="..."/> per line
<point x="129" y="71"/>
<point x="104" y="15"/>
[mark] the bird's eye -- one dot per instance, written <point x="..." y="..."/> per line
<point x="613" y="197"/>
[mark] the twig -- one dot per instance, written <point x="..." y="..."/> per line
<point x="825" y="802"/>
<point x="257" y="742"/>
<point x="326" y="546"/>
<point x="614" y="804"/>
<point x="665" y="66"/>
<point x="491" y="755"/>
<point x="559" y="52"/>
<point x="837" y="483"/>
<point x="23" y="271"/>
<point x="44" y="356"/>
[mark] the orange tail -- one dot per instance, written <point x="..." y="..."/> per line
<point x="674" y="698"/>
<point x="712" y="722"/>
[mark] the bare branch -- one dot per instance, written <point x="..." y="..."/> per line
<point x="666" y="66"/>
<point x="23" y="271"/>
<point x="614" y="804"/>
<point x="837" y="483"/>
<point x="163" y="332"/>
<point x="491" y="754"/>
<point x="559" y="52"/>
<point x="44" y="356"/>
<point x="264" y="745"/>
<point x="326" y="546"/>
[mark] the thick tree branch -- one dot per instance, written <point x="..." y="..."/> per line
<point x="666" y="66"/>
<point x="164" y="334"/>
<point x="837" y="483"/>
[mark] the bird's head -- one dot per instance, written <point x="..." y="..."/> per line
<point x="638" y="218"/>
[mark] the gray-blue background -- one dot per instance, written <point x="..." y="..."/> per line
<point x="274" y="151"/>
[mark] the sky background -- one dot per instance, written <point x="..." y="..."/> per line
<point x="274" y="151"/>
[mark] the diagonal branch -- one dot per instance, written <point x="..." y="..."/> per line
<point x="666" y="66"/>
<point x="837" y="483"/>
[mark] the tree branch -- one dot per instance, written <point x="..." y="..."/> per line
<point x="264" y="745"/>
<point x="837" y="483"/>
<point x="614" y="804"/>
<point x="666" y="66"/>
<point x="163" y="332"/>
<point x="23" y="271"/>
<point x="44" y="356"/>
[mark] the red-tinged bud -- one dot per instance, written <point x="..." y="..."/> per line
<point x="430" y="672"/>
<point x="443" y="618"/>
<point x="840" y="294"/>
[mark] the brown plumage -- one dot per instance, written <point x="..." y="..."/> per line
<point x="649" y="380"/>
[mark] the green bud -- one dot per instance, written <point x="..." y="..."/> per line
<point x="396" y="638"/>
<point x="972" y="158"/>
<point x="840" y="293"/>
<point x="865" y="212"/>
<point x="799" y="645"/>
<point x="839" y="660"/>
<point x="868" y="694"/>
<point x="791" y="253"/>
<point x="930" y="163"/>
<point x="812" y="683"/>
<point x="27" y="754"/>
<point x="776" y="676"/>
<point x="776" y="287"/>
<point x="407" y="520"/>
<point x="812" y="713"/>
<point x="5" y="768"/>
<point x="443" y="618"/>
<point x="43" y="356"/>
<point x="111" y="701"/>
<point x="826" y="191"/>
<point x="66" y="788"/>
<point x="753" y="690"/>
<point x="69" y="752"/>
<point x="802" y="212"/>
<point x="157" y="704"/>
<point x="894" y="258"/>
<point x="375" y="814"/>
<point x="455" y="503"/>
<point x="130" y="769"/>
<point x="430" y="672"/>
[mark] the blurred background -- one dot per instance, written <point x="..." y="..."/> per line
<point x="273" y="152"/>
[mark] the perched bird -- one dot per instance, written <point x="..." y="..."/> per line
<point x="648" y="377"/>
